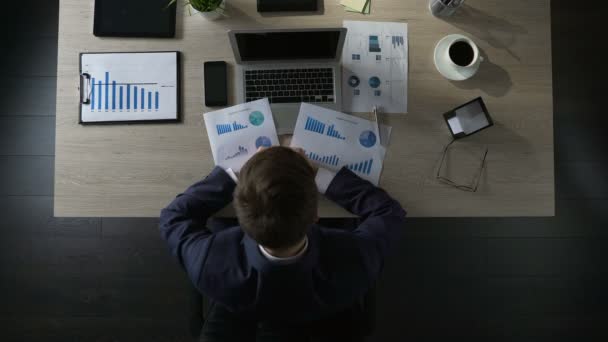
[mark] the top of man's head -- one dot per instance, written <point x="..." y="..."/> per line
<point x="276" y="197"/>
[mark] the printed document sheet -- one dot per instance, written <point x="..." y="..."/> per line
<point x="375" y="67"/>
<point x="237" y="132"/>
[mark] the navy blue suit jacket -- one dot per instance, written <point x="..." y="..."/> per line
<point x="337" y="269"/>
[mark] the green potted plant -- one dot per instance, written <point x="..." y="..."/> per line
<point x="209" y="9"/>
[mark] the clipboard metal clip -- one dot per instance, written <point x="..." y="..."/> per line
<point x="85" y="88"/>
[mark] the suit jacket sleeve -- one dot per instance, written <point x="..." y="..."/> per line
<point x="382" y="217"/>
<point x="183" y="221"/>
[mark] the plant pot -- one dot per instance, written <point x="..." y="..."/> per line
<point x="212" y="15"/>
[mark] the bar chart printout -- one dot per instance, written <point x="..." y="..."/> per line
<point x="334" y="140"/>
<point x="130" y="86"/>
<point x="235" y="133"/>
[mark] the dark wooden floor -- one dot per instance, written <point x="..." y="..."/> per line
<point x="517" y="279"/>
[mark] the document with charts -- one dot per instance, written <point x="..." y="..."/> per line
<point x="235" y="133"/>
<point x="375" y="67"/>
<point x="333" y="140"/>
<point x="129" y="86"/>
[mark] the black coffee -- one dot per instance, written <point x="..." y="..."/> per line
<point x="462" y="53"/>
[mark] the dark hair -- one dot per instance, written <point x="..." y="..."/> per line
<point x="276" y="197"/>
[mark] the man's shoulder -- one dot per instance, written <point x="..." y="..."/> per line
<point x="227" y="256"/>
<point x="229" y="238"/>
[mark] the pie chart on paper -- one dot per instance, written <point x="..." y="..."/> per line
<point x="263" y="141"/>
<point x="367" y="139"/>
<point x="374" y="82"/>
<point x="353" y="81"/>
<point x="256" y="118"/>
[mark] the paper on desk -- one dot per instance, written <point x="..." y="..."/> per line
<point x="366" y="9"/>
<point x="357" y="5"/>
<point x="375" y="67"/>
<point x="235" y="133"/>
<point x="333" y="140"/>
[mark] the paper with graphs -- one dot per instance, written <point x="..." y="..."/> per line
<point x="236" y="133"/>
<point x="333" y="140"/>
<point x="375" y="67"/>
<point x="133" y="86"/>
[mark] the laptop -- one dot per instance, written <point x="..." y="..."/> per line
<point x="289" y="66"/>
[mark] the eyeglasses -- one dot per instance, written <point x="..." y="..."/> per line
<point x="468" y="187"/>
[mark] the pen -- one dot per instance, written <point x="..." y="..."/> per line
<point x="377" y="126"/>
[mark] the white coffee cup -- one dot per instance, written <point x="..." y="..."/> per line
<point x="457" y="70"/>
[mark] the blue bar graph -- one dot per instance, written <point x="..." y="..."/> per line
<point x="107" y="91"/>
<point x="314" y="125"/>
<point x="364" y="167"/>
<point x="329" y="160"/>
<point x="120" y="98"/>
<point x="397" y="41"/>
<point x="128" y="97"/>
<point x="93" y="94"/>
<point x="113" y="95"/>
<point x="227" y="128"/>
<point x="223" y="128"/>
<point x="236" y="126"/>
<point x="99" y="96"/>
<point x="331" y="131"/>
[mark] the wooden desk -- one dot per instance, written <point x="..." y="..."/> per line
<point x="135" y="170"/>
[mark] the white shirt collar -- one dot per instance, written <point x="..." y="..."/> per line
<point x="287" y="260"/>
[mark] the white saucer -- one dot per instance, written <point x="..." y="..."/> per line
<point x="449" y="70"/>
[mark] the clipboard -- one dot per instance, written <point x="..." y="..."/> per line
<point x="129" y="87"/>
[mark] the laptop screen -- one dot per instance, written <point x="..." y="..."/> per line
<point x="280" y="45"/>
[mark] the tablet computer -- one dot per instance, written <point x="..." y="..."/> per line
<point x="468" y="119"/>
<point x="134" y="18"/>
<point x="287" y="5"/>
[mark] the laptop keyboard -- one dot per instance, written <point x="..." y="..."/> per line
<point x="290" y="85"/>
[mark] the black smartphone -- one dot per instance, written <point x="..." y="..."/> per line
<point x="216" y="84"/>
